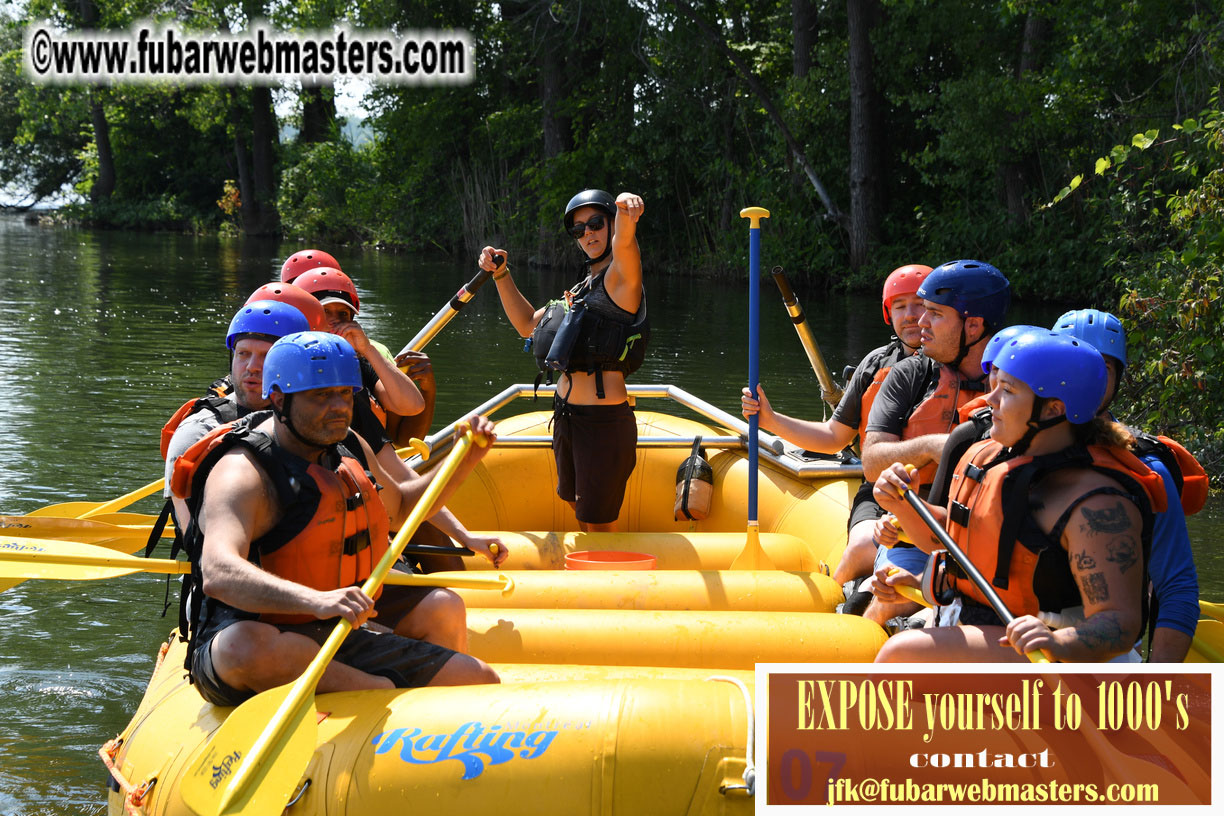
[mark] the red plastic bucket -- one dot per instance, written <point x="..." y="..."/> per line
<point x="609" y="560"/>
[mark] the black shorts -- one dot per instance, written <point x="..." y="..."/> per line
<point x="864" y="507"/>
<point x="405" y="662"/>
<point x="596" y="450"/>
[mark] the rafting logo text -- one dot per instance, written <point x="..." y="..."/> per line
<point x="478" y="743"/>
<point x="222" y="769"/>
<point x="17" y="546"/>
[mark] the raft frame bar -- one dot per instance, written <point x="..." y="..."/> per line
<point x="772" y="449"/>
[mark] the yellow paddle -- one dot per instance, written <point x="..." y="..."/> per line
<point x="829" y="390"/>
<point x="86" y="510"/>
<point x="1212" y="610"/>
<point x="254" y="761"/>
<point x="968" y="566"/>
<point x="71" y="529"/>
<point x="752" y="557"/>
<point x="27" y="558"/>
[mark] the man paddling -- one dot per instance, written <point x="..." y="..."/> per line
<point x="902" y="310"/>
<point x="921" y="399"/>
<point x="291" y="519"/>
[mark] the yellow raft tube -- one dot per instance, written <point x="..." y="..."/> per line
<point x="622" y="692"/>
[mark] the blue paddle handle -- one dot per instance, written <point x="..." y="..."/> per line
<point x="754" y="360"/>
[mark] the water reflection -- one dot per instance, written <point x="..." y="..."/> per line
<point x="105" y="334"/>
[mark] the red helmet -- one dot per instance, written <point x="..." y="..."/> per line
<point x="330" y="286"/>
<point x="904" y="280"/>
<point x="307" y="259"/>
<point x="295" y="296"/>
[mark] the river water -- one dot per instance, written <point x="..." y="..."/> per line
<point x="104" y="334"/>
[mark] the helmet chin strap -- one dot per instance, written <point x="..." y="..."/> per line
<point x="1035" y="426"/>
<point x="589" y="261"/>
<point x="965" y="346"/>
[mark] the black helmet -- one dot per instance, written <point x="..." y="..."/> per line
<point x="589" y="198"/>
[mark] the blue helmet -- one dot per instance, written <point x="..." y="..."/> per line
<point x="1099" y="329"/>
<point x="972" y="288"/>
<point x="266" y="320"/>
<point x="309" y="360"/>
<point x="1056" y="366"/>
<point x="998" y="339"/>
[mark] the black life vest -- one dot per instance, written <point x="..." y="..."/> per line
<point x="340" y="488"/>
<point x="606" y="339"/>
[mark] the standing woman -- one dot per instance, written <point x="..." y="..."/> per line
<point x="594" y="430"/>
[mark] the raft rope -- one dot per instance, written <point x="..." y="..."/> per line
<point x="750" y="746"/>
<point x="134" y="796"/>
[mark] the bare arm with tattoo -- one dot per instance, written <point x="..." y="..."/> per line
<point x="1103" y="546"/>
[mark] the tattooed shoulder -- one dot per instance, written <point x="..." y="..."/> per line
<point x="1109" y="520"/>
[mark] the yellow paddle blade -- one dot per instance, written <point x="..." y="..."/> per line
<point x="213" y="783"/>
<point x="70" y="529"/>
<point x="84" y="509"/>
<point x="25" y="558"/>
<point x="254" y="766"/>
<point x="126" y="499"/>
<point x="1208" y="643"/>
<point x="71" y="509"/>
<point x="752" y="557"/>
<point x="1212" y="610"/>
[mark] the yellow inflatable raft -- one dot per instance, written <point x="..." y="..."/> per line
<point x="594" y="743"/>
<point x="622" y="691"/>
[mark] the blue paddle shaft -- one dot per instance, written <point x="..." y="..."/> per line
<point x="754" y="362"/>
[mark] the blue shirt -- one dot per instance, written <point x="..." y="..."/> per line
<point x="1171" y="566"/>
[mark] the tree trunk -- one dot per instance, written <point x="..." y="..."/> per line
<point x="865" y="178"/>
<point x="104" y="186"/>
<point x="550" y="58"/>
<point x="803" y="29"/>
<point x="246" y="191"/>
<point x="727" y="212"/>
<point x="1016" y="172"/>
<point x="264" y="140"/>
<point x="771" y="109"/>
<point x="318" y="114"/>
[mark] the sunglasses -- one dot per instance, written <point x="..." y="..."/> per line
<point x="595" y="222"/>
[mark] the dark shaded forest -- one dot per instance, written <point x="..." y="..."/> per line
<point x="1075" y="144"/>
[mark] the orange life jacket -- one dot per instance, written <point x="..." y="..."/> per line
<point x="1188" y="475"/>
<point x="988" y="513"/>
<point x="333" y="527"/>
<point x="938" y="413"/>
<point x="884" y="358"/>
<point x="869" y="395"/>
<point x="215" y="401"/>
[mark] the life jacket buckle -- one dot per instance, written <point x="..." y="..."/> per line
<point x="357" y="542"/>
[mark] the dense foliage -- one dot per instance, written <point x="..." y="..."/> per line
<point x="878" y="132"/>
<point x="1163" y="198"/>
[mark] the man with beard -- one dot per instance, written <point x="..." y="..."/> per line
<point x="291" y="519"/>
<point x="902" y="310"/>
<point x="924" y="396"/>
